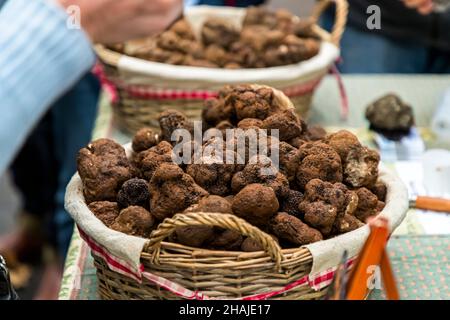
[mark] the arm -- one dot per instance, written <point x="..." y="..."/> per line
<point x="39" y="60"/>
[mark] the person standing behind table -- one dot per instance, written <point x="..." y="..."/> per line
<point x="412" y="38"/>
<point x="43" y="58"/>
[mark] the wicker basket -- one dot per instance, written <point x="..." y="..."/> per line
<point x="129" y="267"/>
<point x="142" y="89"/>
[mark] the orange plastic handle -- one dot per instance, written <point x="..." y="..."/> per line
<point x="370" y="255"/>
<point x="435" y="204"/>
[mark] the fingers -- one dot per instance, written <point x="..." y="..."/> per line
<point x="422" y="6"/>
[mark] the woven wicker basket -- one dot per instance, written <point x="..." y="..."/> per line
<point x="167" y="270"/>
<point x="142" y="89"/>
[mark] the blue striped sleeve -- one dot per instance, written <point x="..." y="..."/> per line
<point x="40" y="59"/>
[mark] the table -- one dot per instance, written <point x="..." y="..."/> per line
<point x="420" y="261"/>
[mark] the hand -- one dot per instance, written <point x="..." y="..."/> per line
<point x="113" y="21"/>
<point x="422" y="6"/>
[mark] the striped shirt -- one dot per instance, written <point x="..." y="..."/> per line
<point x="40" y="59"/>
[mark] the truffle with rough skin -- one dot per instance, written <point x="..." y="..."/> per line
<point x="380" y="190"/>
<point x="134" y="192"/>
<point x="215" y="111"/>
<point x="293" y="230"/>
<point x="342" y="142"/>
<point x="250" y="123"/>
<point x="260" y="170"/>
<point x="251" y="102"/>
<point x="390" y="113"/>
<point x="288" y="160"/>
<point x="256" y="204"/>
<point x="214" y="175"/>
<point x="144" y="139"/>
<point x="325" y="204"/>
<point x="290" y="203"/>
<point x="135" y="221"/>
<point x="105" y="211"/>
<point x="318" y="161"/>
<point x="199" y="236"/>
<point x="349" y="223"/>
<point x="171" y="120"/>
<point x="172" y="191"/>
<point x="361" y="167"/>
<point x="103" y="168"/>
<point x="360" y="164"/>
<point x="287" y="123"/>
<point x="149" y="160"/>
<point x="368" y="204"/>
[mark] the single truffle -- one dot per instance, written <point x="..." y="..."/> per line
<point x="390" y="113"/>
<point x="172" y="191"/>
<point x="171" y="120"/>
<point x="134" y="192"/>
<point x="260" y="169"/>
<point x="214" y="175"/>
<point x="349" y="223"/>
<point x="103" y="167"/>
<point x="290" y="203"/>
<point x="256" y="204"/>
<point x="215" y="111"/>
<point x="105" y="211"/>
<point x="361" y="167"/>
<point x="293" y="230"/>
<point x="360" y="164"/>
<point x="287" y="123"/>
<point x="144" y="139"/>
<point x="250" y="123"/>
<point x="135" y="221"/>
<point x="149" y="160"/>
<point x="252" y="102"/>
<point x="367" y="204"/>
<point x="380" y="190"/>
<point x="318" y="161"/>
<point x="325" y="205"/>
<point x="342" y="142"/>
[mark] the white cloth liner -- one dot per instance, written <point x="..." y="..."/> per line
<point x="326" y="254"/>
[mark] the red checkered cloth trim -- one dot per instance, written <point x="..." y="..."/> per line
<point x="149" y="92"/>
<point x="317" y="281"/>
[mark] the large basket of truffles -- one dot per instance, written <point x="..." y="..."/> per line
<point x="231" y="220"/>
<point x="214" y="46"/>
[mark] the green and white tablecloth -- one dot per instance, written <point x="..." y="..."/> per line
<point x="420" y="261"/>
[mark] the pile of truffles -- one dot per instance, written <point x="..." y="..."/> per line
<point x="266" y="39"/>
<point x="326" y="185"/>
